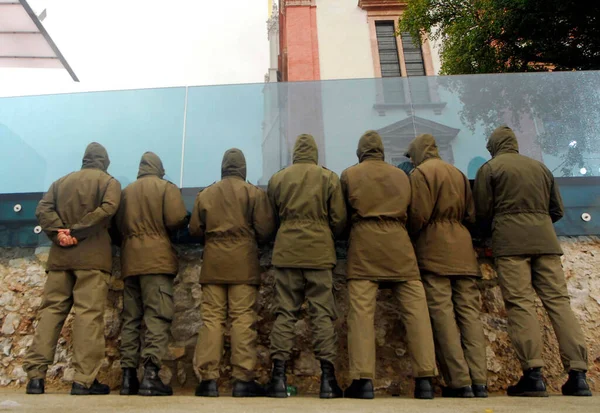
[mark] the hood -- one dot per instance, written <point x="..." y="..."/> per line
<point x="305" y="150"/>
<point x="502" y="140"/>
<point x="151" y="165"/>
<point x="370" y="146"/>
<point x="95" y="157"/>
<point x="423" y="147"/>
<point x="234" y="164"/>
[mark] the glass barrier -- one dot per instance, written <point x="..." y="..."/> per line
<point x="556" y="117"/>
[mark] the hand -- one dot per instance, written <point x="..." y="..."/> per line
<point x="66" y="240"/>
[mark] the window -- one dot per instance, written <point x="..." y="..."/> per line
<point x="413" y="57"/>
<point x="388" y="49"/>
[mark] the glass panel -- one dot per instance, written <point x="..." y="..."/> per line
<point x="219" y="118"/>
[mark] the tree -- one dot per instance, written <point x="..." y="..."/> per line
<point x="496" y="36"/>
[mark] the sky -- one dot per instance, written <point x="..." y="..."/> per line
<point x="127" y="44"/>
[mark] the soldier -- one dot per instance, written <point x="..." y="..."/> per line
<point x="517" y="201"/>
<point x="151" y="207"/>
<point x="378" y="195"/>
<point x="231" y="217"/>
<point x="310" y="211"/>
<point x="441" y="208"/>
<point x="75" y="213"/>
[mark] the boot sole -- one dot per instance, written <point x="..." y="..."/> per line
<point x="128" y="393"/>
<point x="364" y="396"/>
<point x="331" y="396"/>
<point x="529" y="394"/>
<point x="425" y="396"/>
<point x="278" y="395"/>
<point x="153" y="393"/>
<point x="244" y="394"/>
<point x="76" y="393"/>
<point x="212" y="394"/>
<point x="35" y="391"/>
<point x="580" y="393"/>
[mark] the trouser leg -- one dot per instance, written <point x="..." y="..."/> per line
<point x="209" y="348"/>
<point x="133" y="313"/>
<point x="157" y="298"/>
<point x="89" y="297"/>
<point x="362" y="297"/>
<point x="242" y="310"/>
<point x="289" y="296"/>
<point x="550" y="285"/>
<point x="56" y="304"/>
<point x="523" y="327"/>
<point x="415" y="316"/>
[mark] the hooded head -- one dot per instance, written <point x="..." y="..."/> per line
<point x="423" y="147"/>
<point x="234" y="164"/>
<point x="151" y="165"/>
<point x="370" y="146"/>
<point x="305" y="150"/>
<point x="502" y="140"/>
<point x="95" y="157"/>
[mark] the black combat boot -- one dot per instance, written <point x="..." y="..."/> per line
<point x="460" y="393"/>
<point x="360" y="389"/>
<point x="329" y="385"/>
<point x="151" y="384"/>
<point x="531" y="384"/>
<point x="277" y="387"/>
<point x="423" y="388"/>
<point x="248" y="389"/>
<point x="480" y="391"/>
<point x="95" y="389"/>
<point x="207" y="388"/>
<point x="576" y="385"/>
<point x="130" y="385"/>
<point x="35" y="386"/>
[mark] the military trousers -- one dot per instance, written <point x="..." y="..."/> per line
<point x="454" y="308"/>
<point x="219" y="300"/>
<point x="521" y="277"/>
<point x="292" y="287"/>
<point x="147" y="298"/>
<point x="361" y="327"/>
<point x="85" y="291"/>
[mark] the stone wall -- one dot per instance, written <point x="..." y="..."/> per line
<point x="22" y="279"/>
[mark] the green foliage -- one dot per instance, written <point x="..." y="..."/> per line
<point x="496" y="36"/>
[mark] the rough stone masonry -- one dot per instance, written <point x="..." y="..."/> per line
<point x="22" y="278"/>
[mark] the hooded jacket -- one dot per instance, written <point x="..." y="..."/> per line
<point x="84" y="202"/>
<point x="232" y="217"/>
<point x="441" y="210"/>
<point x="378" y="195"/>
<point x="310" y="210"/>
<point x="516" y="200"/>
<point x="150" y="208"/>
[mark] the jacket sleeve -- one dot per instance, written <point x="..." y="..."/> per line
<point x="337" y="207"/>
<point x="271" y="198"/>
<point x="557" y="210"/>
<point x="174" y="212"/>
<point x="263" y="219"/>
<point x="198" y="220"/>
<point x="421" y="203"/>
<point x="470" y="218"/>
<point x="99" y="218"/>
<point x="483" y="195"/>
<point x="116" y="228"/>
<point x="344" y="184"/>
<point x="47" y="215"/>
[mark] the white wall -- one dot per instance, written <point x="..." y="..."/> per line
<point x="344" y="41"/>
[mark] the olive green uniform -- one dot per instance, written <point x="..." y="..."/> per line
<point x="380" y="250"/>
<point x="310" y="210"/>
<point x="231" y="217"/>
<point x="78" y="276"/>
<point x="150" y="208"/>
<point x="517" y="200"/>
<point x="441" y="209"/>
